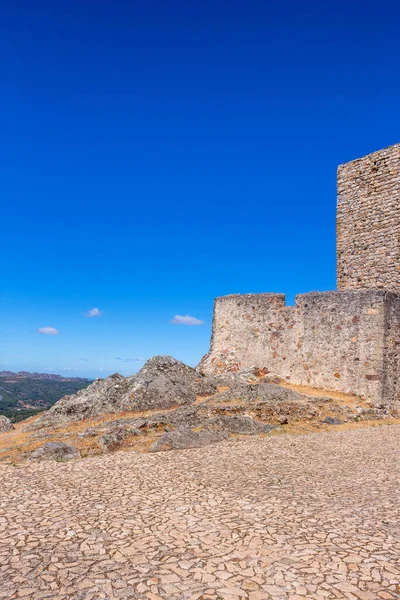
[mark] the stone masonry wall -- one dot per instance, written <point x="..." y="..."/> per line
<point x="392" y="348"/>
<point x="368" y="222"/>
<point x="344" y="341"/>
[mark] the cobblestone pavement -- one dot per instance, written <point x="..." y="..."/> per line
<point x="296" y="517"/>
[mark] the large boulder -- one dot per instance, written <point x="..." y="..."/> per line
<point x="184" y="437"/>
<point x="5" y="424"/>
<point x="162" y="383"/>
<point x="55" y="451"/>
<point x="259" y="392"/>
<point x="238" y="424"/>
<point x="102" y="396"/>
<point x="113" y="439"/>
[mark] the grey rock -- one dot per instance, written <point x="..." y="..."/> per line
<point x="181" y="416"/>
<point x="332" y="421"/>
<point x="238" y="424"/>
<point x="130" y="424"/>
<point x="184" y="437"/>
<point x="259" y="392"/>
<point x="90" y="432"/>
<point x="164" y="382"/>
<point x="5" y="424"/>
<point x="136" y="423"/>
<point x="112" y="440"/>
<point x="55" y="451"/>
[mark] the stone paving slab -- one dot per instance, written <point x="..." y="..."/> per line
<point x="288" y="517"/>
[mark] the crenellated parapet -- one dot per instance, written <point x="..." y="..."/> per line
<point x="344" y="341"/>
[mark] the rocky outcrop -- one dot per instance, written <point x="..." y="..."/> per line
<point x="332" y="421"/>
<point x="238" y="424"/>
<point x="162" y="383"/>
<point x="102" y="396"/>
<point x="55" y="451"/>
<point x="113" y="439"/>
<point x="207" y="416"/>
<point x="5" y="424"/>
<point x="262" y="392"/>
<point x="168" y="406"/>
<point x="184" y="437"/>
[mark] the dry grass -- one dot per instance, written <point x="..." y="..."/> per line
<point x="349" y="399"/>
<point x="315" y="426"/>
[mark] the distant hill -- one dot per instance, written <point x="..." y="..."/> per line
<point x="47" y="376"/>
<point x="24" y="394"/>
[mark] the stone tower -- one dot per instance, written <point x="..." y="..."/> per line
<point x="368" y="222"/>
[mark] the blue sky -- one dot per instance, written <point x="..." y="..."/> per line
<point x="155" y="155"/>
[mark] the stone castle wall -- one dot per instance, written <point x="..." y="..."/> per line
<point x="368" y="222"/>
<point x="343" y="341"/>
<point x="347" y="340"/>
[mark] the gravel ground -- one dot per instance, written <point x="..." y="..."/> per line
<point x="313" y="517"/>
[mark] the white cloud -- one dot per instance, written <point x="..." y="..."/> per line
<point x="94" y="312"/>
<point x="85" y="359"/>
<point x="48" y="330"/>
<point x="186" y="320"/>
<point x="129" y="360"/>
